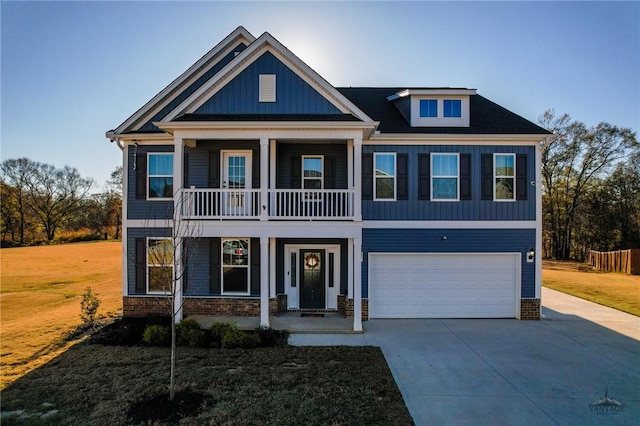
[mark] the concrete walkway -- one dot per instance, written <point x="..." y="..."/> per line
<point x="510" y="372"/>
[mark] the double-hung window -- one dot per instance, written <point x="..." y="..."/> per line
<point x="504" y="175"/>
<point x="445" y="177"/>
<point x="235" y="266"/>
<point x="312" y="171"/>
<point x="384" y="182"/>
<point x="160" y="176"/>
<point x="159" y="265"/>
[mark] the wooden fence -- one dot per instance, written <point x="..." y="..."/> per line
<point x="627" y="261"/>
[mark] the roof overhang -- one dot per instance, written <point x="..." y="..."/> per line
<point x="443" y="91"/>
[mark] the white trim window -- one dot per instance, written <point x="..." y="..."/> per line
<point x="312" y="172"/>
<point x="504" y="177"/>
<point x="236" y="266"/>
<point x="384" y="178"/>
<point x="445" y="177"/>
<point x="159" y="176"/>
<point x="159" y="265"/>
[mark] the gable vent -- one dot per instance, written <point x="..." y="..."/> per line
<point x="267" y="88"/>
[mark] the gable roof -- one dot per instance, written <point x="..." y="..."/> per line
<point x="187" y="82"/>
<point x="266" y="43"/>
<point x="486" y="116"/>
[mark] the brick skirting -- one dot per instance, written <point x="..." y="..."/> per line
<point x="240" y="306"/>
<point x="529" y="309"/>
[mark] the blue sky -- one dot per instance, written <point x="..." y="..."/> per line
<point x="73" y="70"/>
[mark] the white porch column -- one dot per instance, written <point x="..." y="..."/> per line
<point x="272" y="174"/>
<point x="178" y="167"/>
<point x="357" y="284"/>
<point x="272" y="267"/>
<point x="264" y="282"/>
<point x="357" y="178"/>
<point x="264" y="176"/>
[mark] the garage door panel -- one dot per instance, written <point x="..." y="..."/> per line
<point x="442" y="285"/>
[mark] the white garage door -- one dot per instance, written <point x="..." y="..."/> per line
<point x="429" y="285"/>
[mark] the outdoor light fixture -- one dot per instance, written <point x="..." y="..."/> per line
<point x="444" y="238"/>
<point x="531" y="255"/>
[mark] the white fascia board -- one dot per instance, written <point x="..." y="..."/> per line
<point x="194" y="72"/>
<point x="269" y="129"/>
<point x="436" y="91"/>
<point x="266" y="43"/>
<point x="452" y="139"/>
<point x="448" y="224"/>
<point x="146" y="139"/>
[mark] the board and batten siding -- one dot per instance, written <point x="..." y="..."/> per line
<point x="458" y="241"/>
<point x="145" y="209"/>
<point x="474" y="209"/>
<point x="148" y="126"/>
<point x="293" y="94"/>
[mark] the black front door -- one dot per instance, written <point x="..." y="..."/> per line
<point x="312" y="286"/>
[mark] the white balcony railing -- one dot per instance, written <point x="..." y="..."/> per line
<point x="210" y="203"/>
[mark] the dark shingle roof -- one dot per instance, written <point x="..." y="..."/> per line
<point x="486" y="117"/>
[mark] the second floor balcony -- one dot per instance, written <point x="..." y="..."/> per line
<point x="271" y="204"/>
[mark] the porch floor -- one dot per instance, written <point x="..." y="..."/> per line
<point x="293" y="321"/>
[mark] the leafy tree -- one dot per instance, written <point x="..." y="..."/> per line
<point x="572" y="162"/>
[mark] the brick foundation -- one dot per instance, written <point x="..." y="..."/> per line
<point x="348" y="309"/>
<point x="529" y="309"/>
<point x="282" y="303"/>
<point x="240" y="306"/>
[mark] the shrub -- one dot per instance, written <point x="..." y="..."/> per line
<point x="156" y="335"/>
<point x="189" y="333"/>
<point x="234" y="338"/>
<point x="88" y="307"/>
<point x="217" y="331"/>
<point x="270" y="338"/>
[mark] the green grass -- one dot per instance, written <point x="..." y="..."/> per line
<point x="94" y="384"/>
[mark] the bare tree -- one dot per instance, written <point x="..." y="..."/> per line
<point x="56" y="194"/>
<point x="571" y="161"/>
<point x="17" y="175"/>
<point x="170" y="264"/>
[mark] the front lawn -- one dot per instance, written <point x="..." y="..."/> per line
<point x="95" y="384"/>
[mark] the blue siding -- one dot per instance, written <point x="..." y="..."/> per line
<point x="143" y="209"/>
<point x="189" y="90"/>
<point x="132" y="234"/>
<point x="198" y="159"/>
<point x="198" y="268"/>
<point x="458" y="241"/>
<point x="474" y="209"/>
<point x="287" y="151"/>
<point x="293" y="95"/>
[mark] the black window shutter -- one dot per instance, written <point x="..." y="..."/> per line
<point x="296" y="179"/>
<point x="186" y="252"/>
<point x="465" y="176"/>
<point x="367" y="176"/>
<point x="521" y="177"/>
<point x="214" y="266"/>
<point x="424" y="177"/>
<point x="141" y="266"/>
<point x="255" y="266"/>
<point x="214" y="169"/>
<point x="141" y="175"/>
<point x="487" y="176"/>
<point x="329" y="172"/>
<point x="402" y="184"/>
<point x="255" y="169"/>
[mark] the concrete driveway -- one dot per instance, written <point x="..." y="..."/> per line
<point x="510" y="372"/>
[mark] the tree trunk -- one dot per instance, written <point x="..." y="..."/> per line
<point x="173" y="360"/>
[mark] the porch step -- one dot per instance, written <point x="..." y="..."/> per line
<point x="312" y="311"/>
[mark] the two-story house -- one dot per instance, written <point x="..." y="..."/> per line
<point x="372" y="202"/>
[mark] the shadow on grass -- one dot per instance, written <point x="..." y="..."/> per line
<point x="95" y="384"/>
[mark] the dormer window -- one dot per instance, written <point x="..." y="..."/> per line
<point x="429" y="108"/>
<point x="452" y="108"/>
<point x="445" y="107"/>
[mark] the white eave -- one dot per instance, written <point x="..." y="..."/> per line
<point x="444" y="91"/>
<point x="442" y="137"/>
